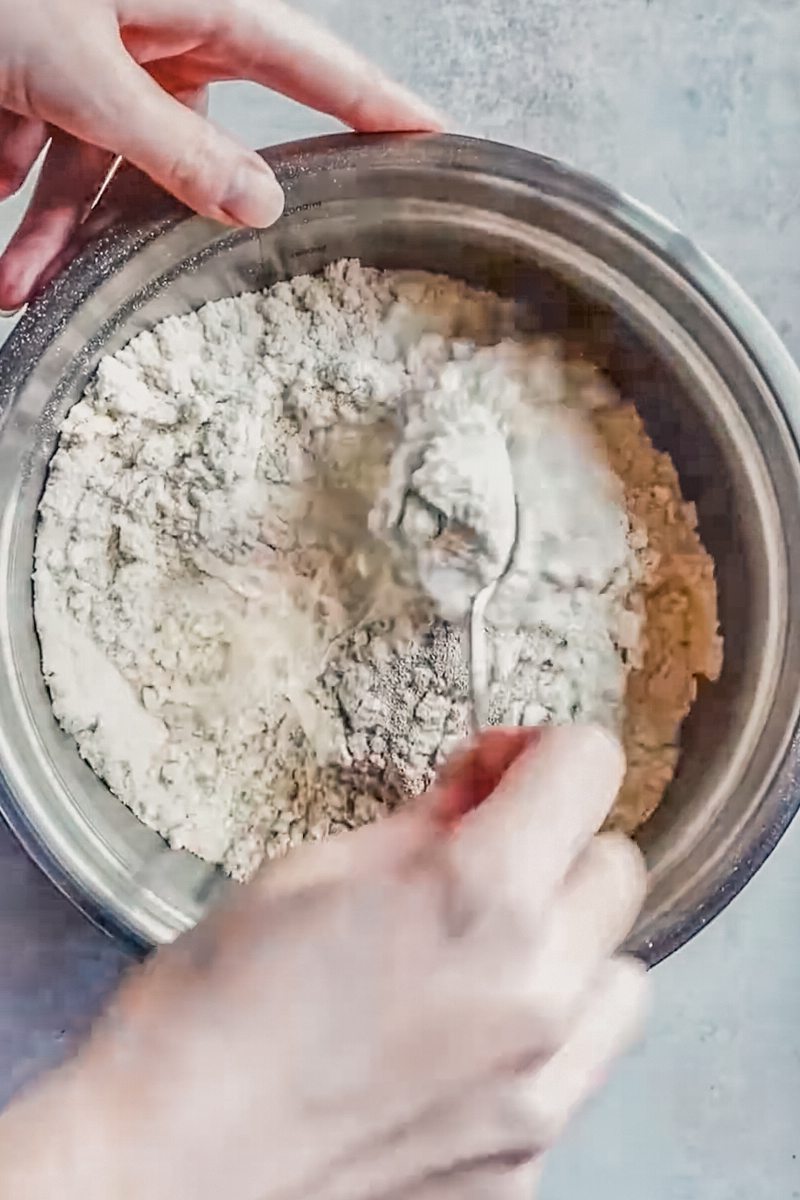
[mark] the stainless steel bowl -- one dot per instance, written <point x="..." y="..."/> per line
<point x="716" y="389"/>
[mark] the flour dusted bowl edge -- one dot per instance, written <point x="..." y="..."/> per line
<point x="715" y="387"/>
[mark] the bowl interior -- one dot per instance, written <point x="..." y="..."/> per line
<point x="683" y="373"/>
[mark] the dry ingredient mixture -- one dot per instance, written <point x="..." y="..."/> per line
<point x="260" y="528"/>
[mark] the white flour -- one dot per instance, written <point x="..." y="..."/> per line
<point x="450" y="506"/>
<point x="224" y="628"/>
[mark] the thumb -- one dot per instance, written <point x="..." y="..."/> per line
<point x="126" y="112"/>
<point x="544" y="811"/>
<point x="473" y="772"/>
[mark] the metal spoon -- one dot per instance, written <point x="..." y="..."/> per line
<point x="478" y="648"/>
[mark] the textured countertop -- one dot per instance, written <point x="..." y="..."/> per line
<point x="692" y="106"/>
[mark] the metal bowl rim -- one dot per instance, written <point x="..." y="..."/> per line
<point x="743" y="318"/>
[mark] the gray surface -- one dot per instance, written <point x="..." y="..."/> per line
<point x="693" y="106"/>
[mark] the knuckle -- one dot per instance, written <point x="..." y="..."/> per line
<point x="549" y="1021"/>
<point x="518" y="912"/>
<point x="20" y="142"/>
<point x="620" y="1002"/>
<point x="515" y="1118"/>
<point x="487" y="910"/>
<point x="522" y="1032"/>
<point x="592" y="745"/>
<point x="631" y="987"/>
<point x="545" y="1119"/>
<point x="12" y="177"/>
<point x="622" y="866"/>
<point x="195" y="169"/>
<point x="20" y="89"/>
<point x="369" y="85"/>
<point x="517" y="920"/>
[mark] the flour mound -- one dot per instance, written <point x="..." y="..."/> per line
<point x="450" y="504"/>
<point x="225" y="630"/>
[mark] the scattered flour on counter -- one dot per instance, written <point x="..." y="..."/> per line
<point x="224" y="628"/>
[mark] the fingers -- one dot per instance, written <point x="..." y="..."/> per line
<point x="180" y="150"/>
<point x="464" y="782"/>
<point x="592" y="914"/>
<point x="523" y="839"/>
<point x="21" y="141"/>
<point x="98" y="220"/>
<point x="69" y="181"/>
<point x="120" y="108"/>
<point x="607" y="1028"/>
<point x="490" y="1140"/>
<point x="479" y="1140"/>
<point x="492" y="1182"/>
<point x="473" y="773"/>
<point x="276" y="45"/>
<point x="58" y="223"/>
<point x="284" y="49"/>
<point x="373" y="850"/>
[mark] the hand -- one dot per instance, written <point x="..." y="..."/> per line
<point x="410" y="1012"/>
<point x="100" y="78"/>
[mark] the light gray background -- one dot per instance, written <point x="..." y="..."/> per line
<point x="693" y="106"/>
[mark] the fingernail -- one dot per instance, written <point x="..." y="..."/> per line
<point x="412" y="114"/>
<point x="603" y="734"/>
<point x="593" y="743"/>
<point x="254" y="196"/>
<point x="430" y="119"/>
<point x="16" y="296"/>
<point x="22" y="279"/>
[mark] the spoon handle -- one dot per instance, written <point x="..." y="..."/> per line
<point x="478" y="641"/>
<point x="479" y="658"/>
